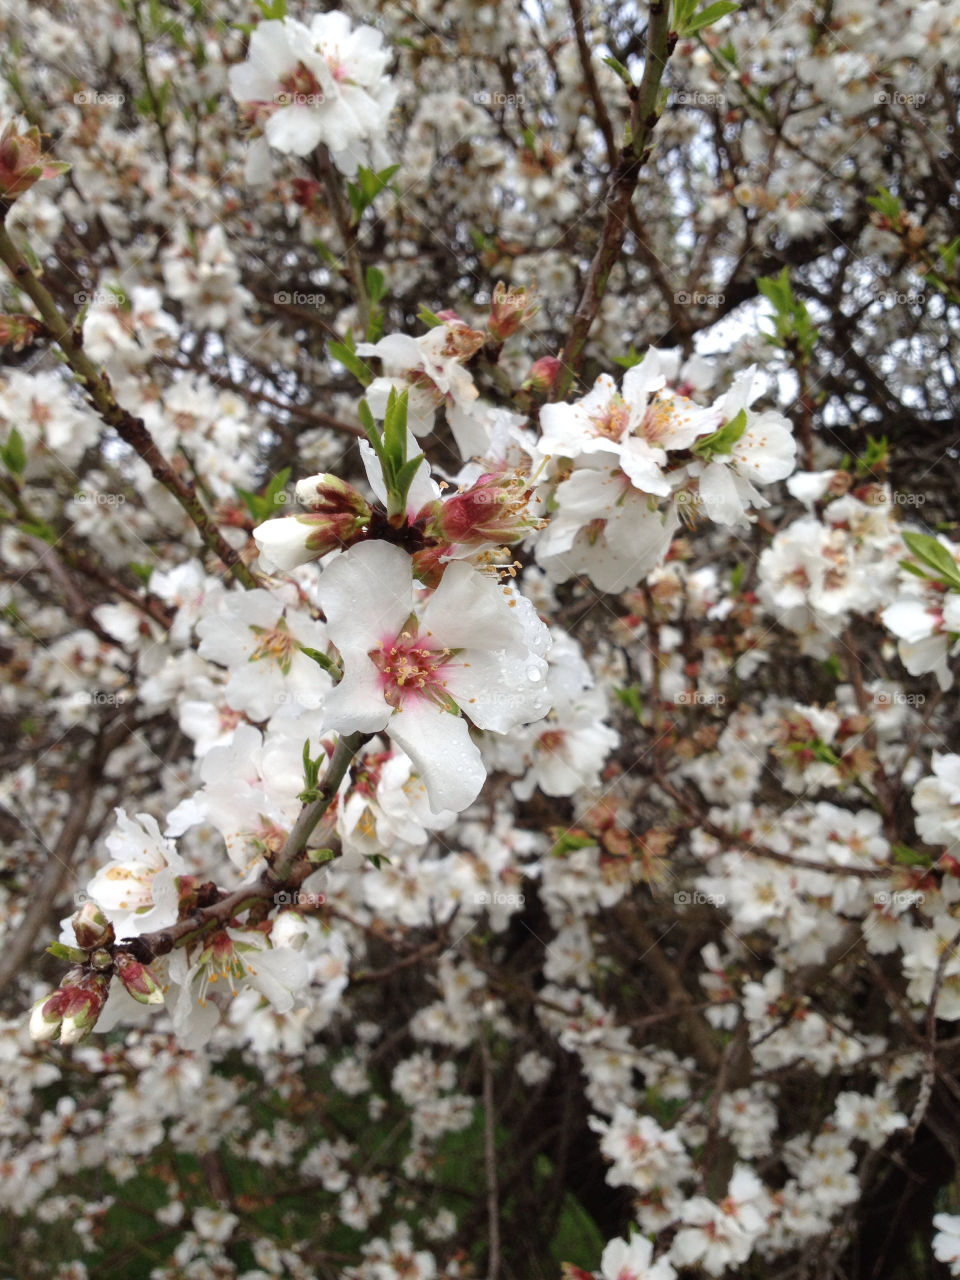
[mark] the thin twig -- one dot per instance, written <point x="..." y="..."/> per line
<point x="930" y="1065"/>
<point x="490" y="1162"/>
<point x="45" y="891"/>
<point x="623" y="183"/>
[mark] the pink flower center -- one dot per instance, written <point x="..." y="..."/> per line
<point x="410" y="667"/>
<point x="302" y="87"/>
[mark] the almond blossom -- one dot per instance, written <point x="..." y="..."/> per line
<point x="304" y="85"/>
<point x="137" y="889"/>
<point x="411" y="667"/>
<point x="633" y="1260"/>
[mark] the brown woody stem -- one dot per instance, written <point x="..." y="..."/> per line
<point x="623" y="182"/>
<point x="131" y="430"/>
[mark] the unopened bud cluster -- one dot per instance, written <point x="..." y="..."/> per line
<point x="22" y="162"/>
<point x="70" y="1013"/>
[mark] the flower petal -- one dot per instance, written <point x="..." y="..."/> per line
<point x="443" y="754"/>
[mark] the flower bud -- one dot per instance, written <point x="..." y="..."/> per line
<point x="91" y="927"/>
<point x="19" y="331"/>
<point x="308" y="193"/>
<point x="293" y="540"/>
<point x="494" y="509"/>
<point x="510" y="309"/>
<point x="543" y="375"/>
<point x="70" y="1013"/>
<point x="83" y="1006"/>
<point x="46" y="1017"/>
<point x="330" y="494"/>
<point x="137" y="978"/>
<point x="22" y="162"/>
<point x="338" y="517"/>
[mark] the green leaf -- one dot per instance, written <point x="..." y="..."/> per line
<point x="274" y="493"/>
<point x="706" y="17"/>
<point x="888" y="206"/>
<point x="875" y="456"/>
<point x="425" y="316"/>
<point x="915" y="569"/>
<point x="273" y="8"/>
<point x="263" y="506"/>
<point x="376" y="284"/>
<point x="40" y="529"/>
<point x="630" y="359"/>
<point x="935" y="556"/>
<point x="332" y="668"/>
<point x="908" y="857"/>
<point x="325" y="254"/>
<point x="346" y="353"/>
<point x="620" y="69"/>
<point x="404" y="478"/>
<point x="728" y="53"/>
<point x="682" y="13"/>
<point x="368" y="186"/>
<point x="141" y="570"/>
<point x="375" y="325"/>
<point x="793" y="326"/>
<point x="395" y="428"/>
<point x="319" y="856"/>
<point x="64" y="952"/>
<point x="13" y="454"/>
<point x="569" y="842"/>
<point x="948" y="255"/>
<point x="481" y="242"/>
<point x="372" y="433"/>
<point x="823" y="753"/>
<point x="630" y="697"/>
<point x="722" y="440"/>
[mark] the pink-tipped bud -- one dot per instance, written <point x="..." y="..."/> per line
<point x="510" y="309"/>
<point x="91" y="927"/>
<point x="308" y="193"/>
<point x="46" y="1016"/>
<point x="19" y="331"/>
<point x="494" y="509"/>
<point x="338" y="517"/>
<point x="83" y="1007"/>
<point x="543" y="375"/>
<point x="331" y="495"/>
<point x="70" y="1013"/>
<point x="295" y="540"/>
<point x="22" y="162"/>
<point x="137" y="979"/>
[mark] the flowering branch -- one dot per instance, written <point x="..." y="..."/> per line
<point x="83" y="789"/>
<point x="347" y="747"/>
<point x="327" y="173"/>
<point x="644" y="114"/>
<point x="100" y="393"/>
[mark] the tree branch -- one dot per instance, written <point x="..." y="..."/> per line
<point x="99" y="392"/>
<point x="623" y="182"/>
